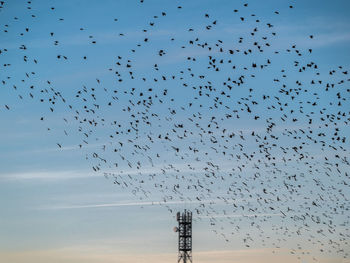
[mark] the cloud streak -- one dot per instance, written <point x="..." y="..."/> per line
<point x="48" y="175"/>
<point x="159" y="203"/>
<point x="128" y="203"/>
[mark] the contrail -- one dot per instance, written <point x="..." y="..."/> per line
<point x="134" y="204"/>
<point x="163" y="203"/>
<point x="239" y="215"/>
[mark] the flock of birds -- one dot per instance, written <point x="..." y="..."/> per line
<point x="237" y="127"/>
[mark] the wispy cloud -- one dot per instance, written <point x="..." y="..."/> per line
<point x="47" y="175"/>
<point x="328" y="33"/>
<point x="168" y="203"/>
<point x="128" y="203"/>
<point x="321" y="40"/>
<point x="240" y="215"/>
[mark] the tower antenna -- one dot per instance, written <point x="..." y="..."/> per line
<point x="185" y="236"/>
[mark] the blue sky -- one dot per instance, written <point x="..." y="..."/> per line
<point x="54" y="208"/>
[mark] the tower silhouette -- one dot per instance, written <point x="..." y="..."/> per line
<point x="185" y="236"/>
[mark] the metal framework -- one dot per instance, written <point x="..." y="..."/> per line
<point x="185" y="236"/>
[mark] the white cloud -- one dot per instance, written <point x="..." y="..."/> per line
<point x="48" y="175"/>
<point x="128" y="203"/>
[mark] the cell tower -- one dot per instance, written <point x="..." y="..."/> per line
<point x="185" y="236"/>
